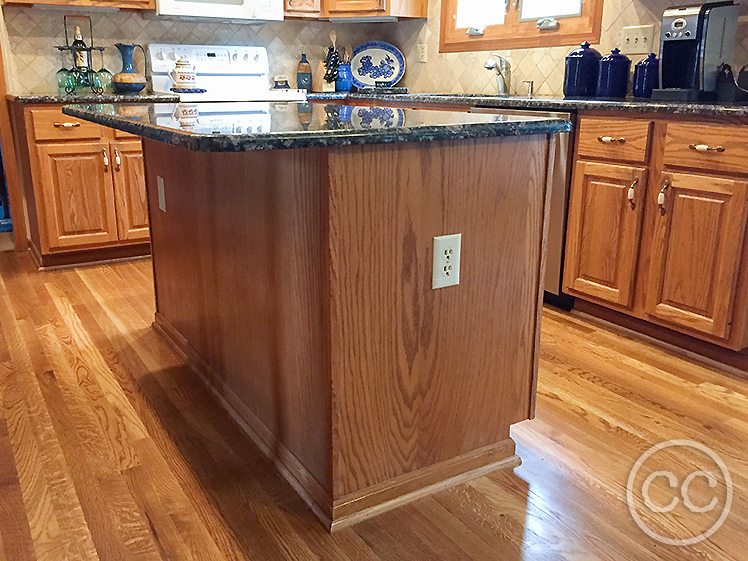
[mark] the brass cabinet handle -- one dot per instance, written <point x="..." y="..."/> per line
<point x="661" y="196"/>
<point x="106" y="159"/>
<point x="632" y="193"/>
<point x="67" y="125"/>
<point x="117" y="160"/>
<point x="611" y="140"/>
<point x="706" y="148"/>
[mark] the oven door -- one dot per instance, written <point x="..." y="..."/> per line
<point x="263" y="10"/>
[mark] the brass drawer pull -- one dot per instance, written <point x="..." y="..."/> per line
<point x="67" y="125"/>
<point x="705" y="148"/>
<point x="631" y="195"/>
<point x="106" y="159"/>
<point x="117" y="160"/>
<point x="611" y="140"/>
<point x="661" y="196"/>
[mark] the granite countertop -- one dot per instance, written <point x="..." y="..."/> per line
<point x="301" y="125"/>
<point x="555" y="104"/>
<point x="92" y="98"/>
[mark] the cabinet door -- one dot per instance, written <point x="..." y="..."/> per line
<point x="129" y="190"/>
<point x="697" y="243"/>
<point x="604" y="229"/>
<point x="77" y="192"/>
<point x="355" y="5"/>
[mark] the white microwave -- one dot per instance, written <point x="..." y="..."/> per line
<point x="263" y="10"/>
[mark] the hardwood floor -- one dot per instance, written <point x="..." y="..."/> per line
<point x="110" y="449"/>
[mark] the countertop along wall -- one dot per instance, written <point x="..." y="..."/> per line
<point x="33" y="32"/>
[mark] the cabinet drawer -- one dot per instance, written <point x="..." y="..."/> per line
<point x="125" y="135"/>
<point x="707" y="147"/>
<point x="614" y="139"/>
<point x="51" y="124"/>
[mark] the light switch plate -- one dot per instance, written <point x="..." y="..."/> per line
<point x="637" y="40"/>
<point x="446" y="270"/>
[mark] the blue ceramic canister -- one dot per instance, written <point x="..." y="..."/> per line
<point x="613" y="77"/>
<point x="580" y="78"/>
<point x="646" y="76"/>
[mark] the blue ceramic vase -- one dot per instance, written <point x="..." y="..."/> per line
<point x="128" y="81"/>
<point x="344" y="81"/>
<point x="613" y="76"/>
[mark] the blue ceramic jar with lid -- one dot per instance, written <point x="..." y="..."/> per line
<point x="613" y="76"/>
<point x="646" y="76"/>
<point x="580" y="78"/>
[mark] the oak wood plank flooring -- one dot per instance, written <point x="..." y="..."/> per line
<point x="112" y="450"/>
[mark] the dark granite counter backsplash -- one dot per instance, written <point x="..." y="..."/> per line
<point x="266" y="126"/>
<point x="556" y="104"/>
<point x="92" y="98"/>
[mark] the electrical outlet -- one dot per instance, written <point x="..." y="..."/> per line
<point x="421" y="52"/>
<point x="446" y="271"/>
<point x="161" y="193"/>
<point x="637" y="40"/>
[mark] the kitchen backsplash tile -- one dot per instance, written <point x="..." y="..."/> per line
<point x="33" y="32"/>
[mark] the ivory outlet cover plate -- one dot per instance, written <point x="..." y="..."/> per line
<point x="446" y="270"/>
<point x="421" y="52"/>
<point x="161" y="193"/>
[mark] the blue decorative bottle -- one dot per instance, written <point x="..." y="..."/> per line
<point x="613" y="76"/>
<point x="646" y="76"/>
<point x="580" y="78"/>
<point x="304" y="74"/>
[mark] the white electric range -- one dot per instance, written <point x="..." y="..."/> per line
<point x="236" y="80"/>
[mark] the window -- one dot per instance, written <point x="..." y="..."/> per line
<point x="481" y="25"/>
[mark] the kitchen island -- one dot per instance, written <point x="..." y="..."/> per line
<point x="293" y="270"/>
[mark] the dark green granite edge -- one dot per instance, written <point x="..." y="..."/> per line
<point x="310" y="139"/>
<point x="547" y="104"/>
<point x="92" y="98"/>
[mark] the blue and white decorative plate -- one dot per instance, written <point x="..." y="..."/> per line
<point x="367" y="118"/>
<point x="377" y="62"/>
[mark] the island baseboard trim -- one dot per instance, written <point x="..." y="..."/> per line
<point x="358" y="506"/>
<point x="292" y="470"/>
<point x="411" y="486"/>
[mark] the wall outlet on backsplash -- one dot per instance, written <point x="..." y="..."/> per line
<point x="637" y="40"/>
<point x="421" y="50"/>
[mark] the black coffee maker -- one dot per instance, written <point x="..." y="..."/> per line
<point x="694" y="42"/>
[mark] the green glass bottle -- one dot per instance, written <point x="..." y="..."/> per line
<point x="81" y="54"/>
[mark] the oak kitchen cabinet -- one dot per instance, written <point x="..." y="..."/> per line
<point x="127" y="4"/>
<point x="657" y="220"/>
<point x="84" y="187"/>
<point x="365" y="9"/>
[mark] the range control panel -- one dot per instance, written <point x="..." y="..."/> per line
<point x="210" y="59"/>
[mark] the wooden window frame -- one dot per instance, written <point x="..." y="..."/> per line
<point x="515" y="34"/>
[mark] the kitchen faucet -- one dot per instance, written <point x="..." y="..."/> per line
<point x="503" y="71"/>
